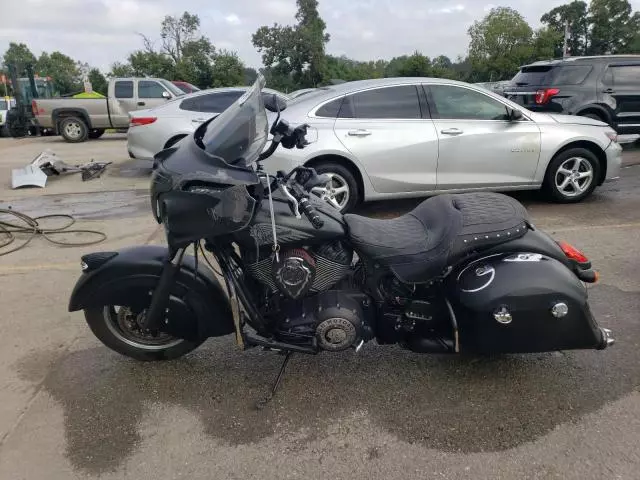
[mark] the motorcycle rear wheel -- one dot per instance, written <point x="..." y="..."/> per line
<point x="117" y="327"/>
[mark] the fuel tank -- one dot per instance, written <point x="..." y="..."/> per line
<point x="290" y="230"/>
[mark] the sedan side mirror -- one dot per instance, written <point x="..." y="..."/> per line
<point x="274" y="103"/>
<point x="514" y="115"/>
<point x="166" y="95"/>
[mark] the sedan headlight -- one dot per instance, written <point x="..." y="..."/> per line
<point x="612" y="135"/>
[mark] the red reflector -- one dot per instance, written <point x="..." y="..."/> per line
<point x="137" y="121"/>
<point x="573" y="253"/>
<point x="543" y="96"/>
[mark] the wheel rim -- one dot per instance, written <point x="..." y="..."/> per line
<point x="335" y="192"/>
<point x="73" y="129"/>
<point x="574" y="177"/>
<point x="125" y="325"/>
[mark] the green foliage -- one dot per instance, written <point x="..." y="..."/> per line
<point x="119" y="69"/>
<point x="63" y="70"/>
<point x="228" y="70"/>
<point x="19" y="55"/>
<point x="500" y="43"/>
<point x="250" y="75"/>
<point x="575" y="14"/>
<point x="98" y="81"/>
<point x="612" y="26"/>
<point x="295" y="53"/>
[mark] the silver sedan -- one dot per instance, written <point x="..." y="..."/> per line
<point x="410" y="137"/>
<point x="158" y="128"/>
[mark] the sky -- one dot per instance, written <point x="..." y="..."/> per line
<point x="103" y="31"/>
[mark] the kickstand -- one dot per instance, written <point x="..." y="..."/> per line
<point x="260" y="404"/>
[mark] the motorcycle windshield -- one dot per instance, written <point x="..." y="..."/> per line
<point x="238" y="135"/>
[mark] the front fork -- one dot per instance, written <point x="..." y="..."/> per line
<point x="161" y="295"/>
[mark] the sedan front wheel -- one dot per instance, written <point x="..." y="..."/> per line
<point x="572" y="175"/>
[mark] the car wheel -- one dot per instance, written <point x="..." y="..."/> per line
<point x="74" y="130"/>
<point x="572" y="175"/>
<point x="342" y="191"/>
<point x="96" y="133"/>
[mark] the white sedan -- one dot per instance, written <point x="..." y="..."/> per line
<point x="153" y="130"/>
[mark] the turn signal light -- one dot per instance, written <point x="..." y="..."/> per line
<point x="544" y="95"/>
<point x="573" y="253"/>
<point x="139" y="121"/>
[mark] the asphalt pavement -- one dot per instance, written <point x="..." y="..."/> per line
<point x="73" y="409"/>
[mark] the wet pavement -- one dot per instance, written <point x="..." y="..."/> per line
<point x="73" y="409"/>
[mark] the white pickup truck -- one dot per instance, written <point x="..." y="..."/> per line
<point x="78" y="119"/>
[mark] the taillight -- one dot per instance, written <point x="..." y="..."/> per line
<point x="138" y="121"/>
<point x="573" y="253"/>
<point x="34" y="108"/>
<point x="544" y="95"/>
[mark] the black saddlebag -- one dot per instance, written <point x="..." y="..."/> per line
<point x="522" y="302"/>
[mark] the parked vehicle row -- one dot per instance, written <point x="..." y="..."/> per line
<point x="80" y="119"/>
<point x="606" y="88"/>
<point x="151" y="130"/>
<point x="409" y="137"/>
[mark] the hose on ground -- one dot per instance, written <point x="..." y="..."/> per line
<point x="31" y="227"/>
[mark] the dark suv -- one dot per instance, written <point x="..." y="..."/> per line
<point x="606" y="88"/>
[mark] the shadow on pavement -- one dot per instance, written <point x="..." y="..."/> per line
<point x="467" y="404"/>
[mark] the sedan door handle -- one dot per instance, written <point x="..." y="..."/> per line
<point x="141" y="104"/>
<point x="608" y="90"/>
<point x="452" y="131"/>
<point x="359" y="133"/>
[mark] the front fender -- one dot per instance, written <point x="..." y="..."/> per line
<point x="123" y="277"/>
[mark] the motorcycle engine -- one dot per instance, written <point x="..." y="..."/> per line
<point x="334" y="320"/>
<point x="300" y="271"/>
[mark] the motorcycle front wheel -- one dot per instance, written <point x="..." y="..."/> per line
<point x="118" y="327"/>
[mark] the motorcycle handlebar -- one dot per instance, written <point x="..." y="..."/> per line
<point x="311" y="213"/>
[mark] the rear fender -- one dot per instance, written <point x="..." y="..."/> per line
<point x="126" y="277"/>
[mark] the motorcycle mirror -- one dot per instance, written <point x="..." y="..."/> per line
<point x="273" y="103"/>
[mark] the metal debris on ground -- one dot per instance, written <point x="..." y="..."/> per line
<point x="31" y="228"/>
<point x="49" y="164"/>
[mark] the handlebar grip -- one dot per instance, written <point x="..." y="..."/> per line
<point x="311" y="213"/>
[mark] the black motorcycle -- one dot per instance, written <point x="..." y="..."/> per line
<point x="460" y="273"/>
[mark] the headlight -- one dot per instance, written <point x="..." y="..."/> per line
<point x="612" y="135"/>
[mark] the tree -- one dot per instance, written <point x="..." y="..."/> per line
<point x="297" y="50"/>
<point x="416" y="65"/>
<point x="19" y="54"/>
<point x="228" y="70"/>
<point x="612" y="28"/>
<point x="545" y="43"/>
<point x="196" y="64"/>
<point x="177" y="32"/>
<point x="575" y="14"/>
<point x="63" y="70"/>
<point x="119" y="69"/>
<point x="152" y="64"/>
<point x="250" y="75"/>
<point x="98" y="82"/>
<point x="500" y="43"/>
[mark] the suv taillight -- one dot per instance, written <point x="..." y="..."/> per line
<point x="544" y="95"/>
<point x="34" y="108"/>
